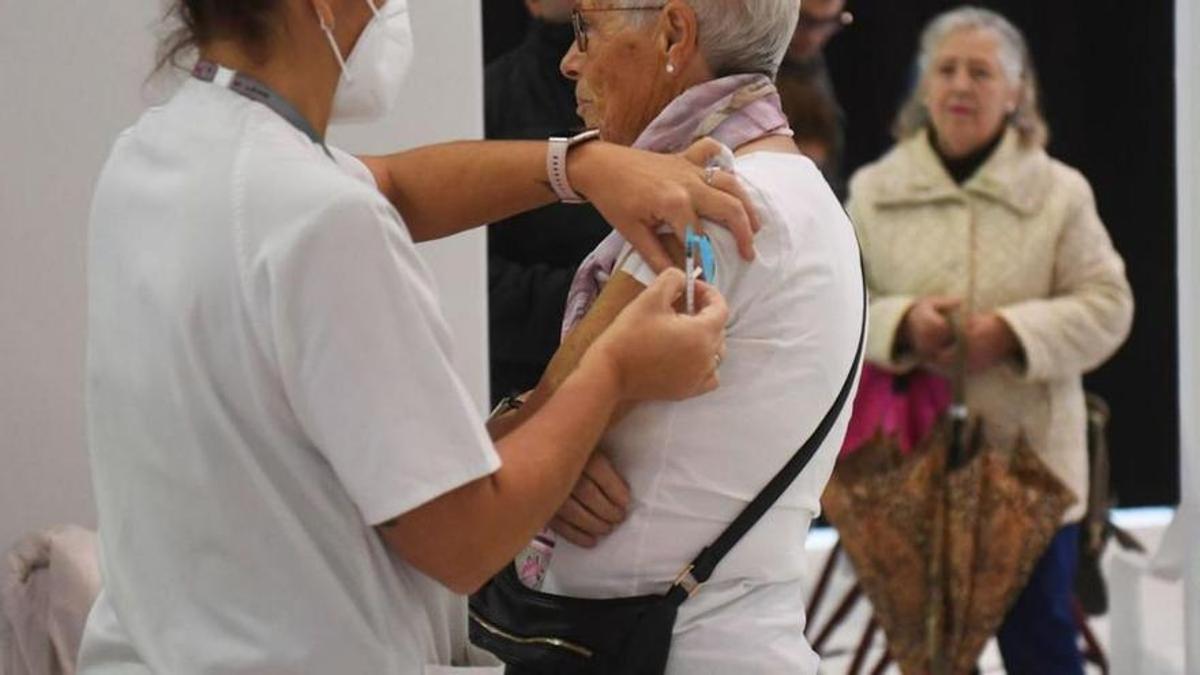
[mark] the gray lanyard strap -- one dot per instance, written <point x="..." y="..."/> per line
<point x="254" y="90"/>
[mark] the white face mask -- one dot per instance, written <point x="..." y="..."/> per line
<point x="378" y="65"/>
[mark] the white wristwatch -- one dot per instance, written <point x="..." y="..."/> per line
<point x="556" y="165"/>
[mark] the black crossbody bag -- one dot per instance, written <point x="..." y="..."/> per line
<point x="537" y="633"/>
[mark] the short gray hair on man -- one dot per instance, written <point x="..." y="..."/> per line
<point x="741" y="36"/>
<point x="1015" y="61"/>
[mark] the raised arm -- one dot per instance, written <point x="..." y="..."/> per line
<point x="442" y="190"/>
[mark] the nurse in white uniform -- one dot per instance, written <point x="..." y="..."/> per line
<point x="290" y="478"/>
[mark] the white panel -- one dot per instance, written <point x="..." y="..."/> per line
<point x="443" y="101"/>
<point x="1187" y="531"/>
<point x="72" y="75"/>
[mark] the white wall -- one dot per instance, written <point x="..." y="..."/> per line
<point x="1187" y="529"/>
<point x="444" y="101"/>
<point x="71" y="77"/>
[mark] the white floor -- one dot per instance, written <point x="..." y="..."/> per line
<point x="1164" y="645"/>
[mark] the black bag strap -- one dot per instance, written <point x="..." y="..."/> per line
<point x="703" y="565"/>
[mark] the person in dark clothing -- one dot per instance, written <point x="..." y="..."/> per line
<point x="532" y="257"/>
<point x="807" y="92"/>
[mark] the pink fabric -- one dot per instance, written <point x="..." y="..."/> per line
<point x="50" y="580"/>
<point x="733" y="110"/>
<point x="903" y="407"/>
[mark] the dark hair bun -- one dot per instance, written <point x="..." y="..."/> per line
<point x="200" y="22"/>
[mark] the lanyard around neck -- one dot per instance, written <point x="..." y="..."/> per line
<point x="247" y="86"/>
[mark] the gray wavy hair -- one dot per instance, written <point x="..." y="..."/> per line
<point x="741" y="36"/>
<point x="1015" y="60"/>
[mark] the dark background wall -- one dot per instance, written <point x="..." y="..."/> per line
<point x="1107" y="75"/>
<point x="504" y="24"/>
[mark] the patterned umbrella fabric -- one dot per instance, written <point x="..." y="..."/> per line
<point x="944" y="538"/>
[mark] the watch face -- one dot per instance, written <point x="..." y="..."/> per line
<point x="585" y="136"/>
<point x="568" y="133"/>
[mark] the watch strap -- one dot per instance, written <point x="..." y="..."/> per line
<point x="556" y="165"/>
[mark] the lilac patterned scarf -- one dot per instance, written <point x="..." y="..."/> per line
<point x="733" y="110"/>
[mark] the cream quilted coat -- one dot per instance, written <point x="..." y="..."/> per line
<point x="1021" y="237"/>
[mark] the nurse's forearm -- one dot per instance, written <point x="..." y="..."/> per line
<point x="466" y="535"/>
<point x="621" y="290"/>
<point x="445" y="189"/>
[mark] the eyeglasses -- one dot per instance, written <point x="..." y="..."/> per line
<point x="581" y="28"/>
<point x="832" y="24"/>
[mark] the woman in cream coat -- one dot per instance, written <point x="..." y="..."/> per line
<point x="969" y="216"/>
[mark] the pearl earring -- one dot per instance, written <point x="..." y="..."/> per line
<point x="671" y="68"/>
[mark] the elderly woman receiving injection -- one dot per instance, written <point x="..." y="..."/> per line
<point x="669" y="477"/>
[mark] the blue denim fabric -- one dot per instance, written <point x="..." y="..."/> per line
<point x="1039" y="636"/>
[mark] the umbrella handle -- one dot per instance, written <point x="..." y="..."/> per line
<point x="959" y="413"/>
<point x="958" y="372"/>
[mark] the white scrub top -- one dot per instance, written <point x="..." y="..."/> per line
<point x="796" y="314"/>
<point x="268" y="377"/>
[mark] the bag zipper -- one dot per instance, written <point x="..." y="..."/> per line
<point x="551" y="641"/>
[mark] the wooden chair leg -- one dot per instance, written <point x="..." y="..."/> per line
<point x="864" y="644"/>
<point x="1093" y="653"/>
<point x="884" y="662"/>
<point x="814" y="603"/>
<point x="839" y="615"/>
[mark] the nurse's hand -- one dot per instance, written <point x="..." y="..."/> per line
<point x="638" y="191"/>
<point x="655" y="352"/>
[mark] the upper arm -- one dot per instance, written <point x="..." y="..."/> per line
<point x="858" y="210"/>
<point x="379" y="171"/>
<point x="1085" y="252"/>
<point x="419" y="536"/>
<point x="620" y="290"/>
<point x="1089" y="310"/>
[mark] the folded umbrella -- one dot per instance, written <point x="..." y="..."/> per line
<point x="944" y="538"/>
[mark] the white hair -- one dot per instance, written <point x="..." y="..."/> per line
<point x="1012" y="52"/>
<point x="741" y="36"/>
<point x="1015" y="61"/>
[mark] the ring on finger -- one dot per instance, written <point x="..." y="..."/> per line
<point x="710" y="174"/>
